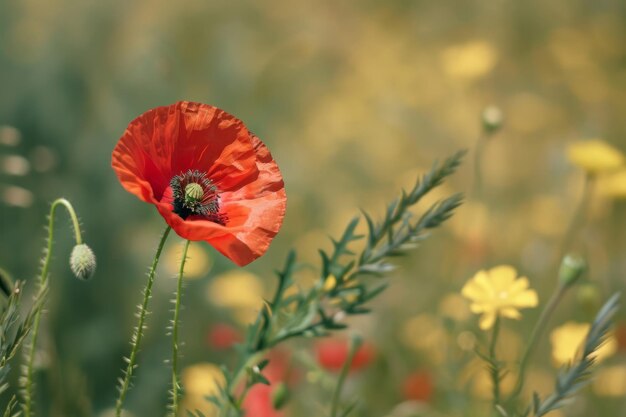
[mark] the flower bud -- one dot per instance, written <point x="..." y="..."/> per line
<point x="83" y="262"/>
<point x="572" y="267"/>
<point x="492" y="119"/>
<point x="280" y="396"/>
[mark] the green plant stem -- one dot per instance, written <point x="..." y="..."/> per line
<point x="538" y="330"/>
<point x="478" y="157"/>
<point x="239" y="374"/>
<point x="139" y="330"/>
<point x="579" y="215"/>
<point x="27" y="378"/>
<point x="495" y="374"/>
<point x="354" y="347"/>
<point x="175" y="323"/>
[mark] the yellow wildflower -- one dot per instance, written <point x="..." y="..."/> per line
<point x="613" y="185"/>
<point x="567" y="343"/>
<point x="497" y="292"/>
<point x="611" y="381"/>
<point x="236" y="289"/>
<point x="594" y="156"/>
<point x="200" y="381"/>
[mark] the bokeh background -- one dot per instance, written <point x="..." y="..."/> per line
<point x="355" y="99"/>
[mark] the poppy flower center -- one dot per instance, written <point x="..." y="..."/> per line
<point x="195" y="194"/>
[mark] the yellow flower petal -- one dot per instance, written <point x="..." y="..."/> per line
<point x="487" y="320"/>
<point x="527" y="298"/>
<point x="511" y="313"/>
<point x="502" y="277"/>
<point x="595" y="156"/>
<point x="498" y="292"/>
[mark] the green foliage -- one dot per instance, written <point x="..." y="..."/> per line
<point x="342" y="289"/>
<point x="13" y="332"/>
<point x="574" y="377"/>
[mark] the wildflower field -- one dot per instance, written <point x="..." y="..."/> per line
<point x="312" y="209"/>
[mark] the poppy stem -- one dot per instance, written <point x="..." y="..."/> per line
<point x="177" y="302"/>
<point x="139" y="330"/>
<point x="27" y="384"/>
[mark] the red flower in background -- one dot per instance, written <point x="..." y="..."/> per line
<point x="259" y="401"/>
<point x="333" y="353"/>
<point x="418" y="386"/>
<point x="208" y="176"/>
<point x="222" y="336"/>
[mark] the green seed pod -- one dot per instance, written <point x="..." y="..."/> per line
<point x="83" y="262"/>
<point x="572" y="267"/>
<point x="280" y="396"/>
<point x="193" y="192"/>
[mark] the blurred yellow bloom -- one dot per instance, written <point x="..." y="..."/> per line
<point x="197" y="265"/>
<point x="425" y="333"/>
<point x="567" y="342"/>
<point x="611" y="381"/>
<point x="236" y="289"/>
<point x="594" y="156"/>
<point x="497" y="292"/>
<point x="454" y="306"/>
<point x="470" y="60"/>
<point x="200" y="381"/>
<point x="613" y="185"/>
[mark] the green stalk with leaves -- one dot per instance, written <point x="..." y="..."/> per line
<point x="82" y="264"/>
<point x="343" y="288"/>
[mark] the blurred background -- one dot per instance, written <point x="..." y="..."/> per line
<point x="355" y="99"/>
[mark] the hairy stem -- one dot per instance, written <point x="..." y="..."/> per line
<point x="175" y="323"/>
<point x="139" y="330"/>
<point x="42" y="280"/>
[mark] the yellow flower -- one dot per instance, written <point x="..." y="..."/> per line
<point x="613" y="185"/>
<point x="595" y="156"/>
<point x="611" y="381"/>
<point x="236" y="289"/>
<point x="497" y="292"/>
<point x="200" y="381"/>
<point x="567" y="342"/>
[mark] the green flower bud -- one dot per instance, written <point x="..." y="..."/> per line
<point x="492" y="119"/>
<point x="83" y="262"/>
<point x="193" y="192"/>
<point x="280" y="396"/>
<point x="572" y="267"/>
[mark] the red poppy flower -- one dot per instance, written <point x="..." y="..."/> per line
<point x="418" y="386"/>
<point x="333" y="353"/>
<point x="222" y="336"/>
<point x="208" y="176"/>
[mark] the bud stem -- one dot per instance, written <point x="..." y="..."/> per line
<point x="175" y="322"/>
<point x="27" y="377"/>
<point x="138" y="334"/>
<point x="541" y="324"/>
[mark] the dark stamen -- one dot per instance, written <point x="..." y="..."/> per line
<point x="195" y="194"/>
